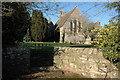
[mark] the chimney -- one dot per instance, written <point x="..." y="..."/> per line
<point x="61" y="13"/>
<point x="97" y="26"/>
<point x="98" y="23"/>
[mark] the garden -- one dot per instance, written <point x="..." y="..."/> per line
<point x="33" y="58"/>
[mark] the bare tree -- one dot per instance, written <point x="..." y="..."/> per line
<point x="48" y="8"/>
<point x="106" y="69"/>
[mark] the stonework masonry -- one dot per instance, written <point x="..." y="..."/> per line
<point x="88" y="62"/>
<point x="71" y="25"/>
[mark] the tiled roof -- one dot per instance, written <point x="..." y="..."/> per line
<point x="64" y="18"/>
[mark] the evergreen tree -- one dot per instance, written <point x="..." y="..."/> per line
<point x="39" y="26"/>
<point x="50" y="32"/>
<point x="14" y="25"/>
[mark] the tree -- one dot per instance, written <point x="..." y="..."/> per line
<point x="108" y="38"/>
<point x="14" y="26"/>
<point x="48" y="8"/>
<point x="49" y="36"/>
<point x="27" y="36"/>
<point x="116" y="6"/>
<point x="86" y="30"/>
<point x="39" y="26"/>
<point x="16" y="18"/>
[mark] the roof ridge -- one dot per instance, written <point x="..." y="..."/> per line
<point x="64" y="18"/>
<point x="69" y="15"/>
<point x="71" y="11"/>
<point x="68" y="12"/>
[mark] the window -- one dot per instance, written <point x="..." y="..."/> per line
<point x="71" y="26"/>
<point x="75" y="26"/>
<point x="79" y="26"/>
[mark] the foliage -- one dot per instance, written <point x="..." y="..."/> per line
<point x="39" y="26"/>
<point x="16" y="18"/>
<point x="14" y="26"/>
<point x="116" y="6"/>
<point x="88" y="26"/>
<point x="50" y="32"/>
<point x="86" y="30"/>
<point x="107" y="38"/>
<point x="48" y="8"/>
<point x="27" y="38"/>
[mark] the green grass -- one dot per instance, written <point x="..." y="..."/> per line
<point x="49" y="46"/>
<point x="55" y="44"/>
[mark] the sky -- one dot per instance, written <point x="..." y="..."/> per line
<point x="86" y="7"/>
<point x="89" y="10"/>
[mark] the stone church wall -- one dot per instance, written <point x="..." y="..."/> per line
<point x="69" y="36"/>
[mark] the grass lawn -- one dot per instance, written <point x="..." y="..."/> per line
<point x="49" y="46"/>
<point x="55" y="44"/>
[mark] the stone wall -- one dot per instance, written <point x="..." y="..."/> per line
<point x="74" y="36"/>
<point x="88" y="62"/>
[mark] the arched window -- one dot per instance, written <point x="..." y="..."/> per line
<point x="71" y="26"/>
<point x="79" y="26"/>
<point x="75" y="26"/>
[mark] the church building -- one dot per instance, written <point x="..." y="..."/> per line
<point x="70" y="27"/>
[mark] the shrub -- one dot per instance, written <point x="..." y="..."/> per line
<point x="107" y="39"/>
